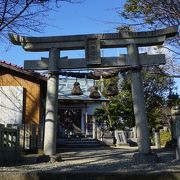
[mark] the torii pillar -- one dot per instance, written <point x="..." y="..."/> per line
<point x="138" y="101"/>
<point x="51" y="104"/>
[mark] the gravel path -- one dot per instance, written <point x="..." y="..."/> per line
<point x="99" y="160"/>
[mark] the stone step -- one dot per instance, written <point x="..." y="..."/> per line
<point x="81" y="145"/>
<point x="80" y="139"/>
<point x="78" y="143"/>
<point x="82" y="142"/>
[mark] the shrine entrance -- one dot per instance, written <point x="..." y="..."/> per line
<point x="92" y="44"/>
<point x="69" y="122"/>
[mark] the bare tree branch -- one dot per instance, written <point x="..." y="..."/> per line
<point x="20" y="15"/>
<point x="17" y="15"/>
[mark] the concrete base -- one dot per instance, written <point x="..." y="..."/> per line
<point x="108" y="141"/>
<point x="55" y="158"/>
<point x="146" y="158"/>
<point x="32" y="159"/>
<point x="132" y="142"/>
<point x="122" y="145"/>
<point x="9" y="156"/>
<point x="35" y="158"/>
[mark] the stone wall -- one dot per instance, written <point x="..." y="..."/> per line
<point x="9" y="145"/>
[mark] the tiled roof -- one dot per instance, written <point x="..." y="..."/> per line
<point x="19" y="69"/>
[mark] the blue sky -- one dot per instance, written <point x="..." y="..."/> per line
<point x="91" y="16"/>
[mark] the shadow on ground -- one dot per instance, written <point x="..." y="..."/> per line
<point x="89" y="164"/>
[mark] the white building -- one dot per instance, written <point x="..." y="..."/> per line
<point x="76" y="111"/>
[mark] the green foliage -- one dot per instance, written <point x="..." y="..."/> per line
<point x="155" y="84"/>
<point x="119" y="112"/>
<point x="154" y="118"/>
<point x="156" y="88"/>
<point x="153" y="12"/>
<point x="173" y="100"/>
<point x="107" y="82"/>
<point x="156" y="14"/>
<point x="122" y="106"/>
<point x="165" y="136"/>
<point x="103" y="116"/>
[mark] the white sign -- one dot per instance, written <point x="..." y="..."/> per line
<point x="11" y="104"/>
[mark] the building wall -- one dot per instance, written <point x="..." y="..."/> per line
<point x="91" y="108"/>
<point x="32" y="105"/>
<point x="11" y="104"/>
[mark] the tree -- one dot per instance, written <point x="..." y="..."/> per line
<point x="156" y="90"/>
<point x="24" y="15"/>
<point x="172" y="66"/>
<point x="118" y="113"/>
<point x="155" y="14"/>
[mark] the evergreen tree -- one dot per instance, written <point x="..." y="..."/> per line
<point x="155" y="14"/>
<point x="118" y="113"/>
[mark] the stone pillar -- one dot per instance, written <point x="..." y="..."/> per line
<point x="175" y="122"/>
<point x="82" y="123"/>
<point x="157" y="140"/>
<point x="94" y="128"/>
<point x="175" y="128"/>
<point x="51" y="104"/>
<point x="138" y="101"/>
<point x="178" y="148"/>
<point x="98" y="133"/>
<point x="134" y="130"/>
<point x="102" y="84"/>
<point x="86" y="119"/>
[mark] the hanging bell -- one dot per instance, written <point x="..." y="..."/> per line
<point x="112" y="89"/>
<point x="76" y="89"/>
<point x="94" y="93"/>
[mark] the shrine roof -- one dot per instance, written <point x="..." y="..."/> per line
<point x="20" y="69"/>
<point x="66" y="86"/>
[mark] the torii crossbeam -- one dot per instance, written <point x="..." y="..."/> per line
<point x="121" y="61"/>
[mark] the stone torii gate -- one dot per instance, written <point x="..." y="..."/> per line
<point x="92" y="43"/>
